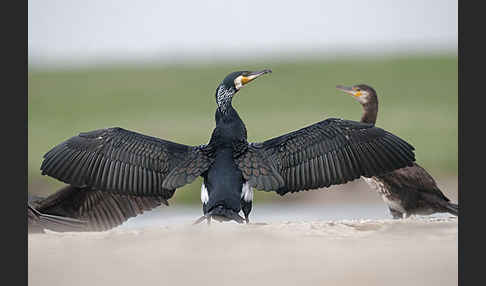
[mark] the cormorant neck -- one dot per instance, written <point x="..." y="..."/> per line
<point x="370" y="112"/>
<point x="225" y="113"/>
<point x="224" y="97"/>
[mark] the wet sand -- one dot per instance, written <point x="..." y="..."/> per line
<point x="415" y="251"/>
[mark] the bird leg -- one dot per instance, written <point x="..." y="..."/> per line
<point x="246" y="208"/>
<point x="247" y="219"/>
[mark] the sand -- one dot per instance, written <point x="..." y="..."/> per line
<point x="414" y="251"/>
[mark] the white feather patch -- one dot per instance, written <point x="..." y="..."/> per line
<point x="238" y="83"/>
<point x="247" y="192"/>
<point x="204" y="194"/>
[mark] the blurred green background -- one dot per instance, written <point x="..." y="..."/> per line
<point x="417" y="94"/>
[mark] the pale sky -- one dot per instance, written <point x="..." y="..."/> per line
<point x="112" y="30"/>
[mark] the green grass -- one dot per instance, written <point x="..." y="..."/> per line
<point x="418" y="102"/>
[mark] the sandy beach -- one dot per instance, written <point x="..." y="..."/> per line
<point x="414" y="251"/>
<point x="342" y="236"/>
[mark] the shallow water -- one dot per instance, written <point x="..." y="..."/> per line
<point x="265" y="213"/>
<point x="354" y="200"/>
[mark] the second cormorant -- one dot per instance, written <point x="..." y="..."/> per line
<point x="406" y="191"/>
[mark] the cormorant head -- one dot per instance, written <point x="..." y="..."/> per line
<point x="234" y="82"/>
<point x="363" y="93"/>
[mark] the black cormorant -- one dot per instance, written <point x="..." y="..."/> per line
<point x="333" y="151"/>
<point x="406" y="191"/>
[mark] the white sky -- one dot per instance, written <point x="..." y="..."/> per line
<point x="110" y="30"/>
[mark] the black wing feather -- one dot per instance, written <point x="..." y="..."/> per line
<point x="333" y="151"/>
<point x="126" y="162"/>
<point x="97" y="210"/>
<point x="38" y="221"/>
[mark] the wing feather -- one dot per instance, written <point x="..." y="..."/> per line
<point x="126" y="162"/>
<point x="333" y="151"/>
<point x="98" y="210"/>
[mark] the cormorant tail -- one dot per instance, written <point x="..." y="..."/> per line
<point x="220" y="213"/>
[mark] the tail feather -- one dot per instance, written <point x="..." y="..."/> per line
<point x="220" y="213"/>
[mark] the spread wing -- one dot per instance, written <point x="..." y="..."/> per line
<point x="333" y="151"/>
<point x="99" y="210"/>
<point x="125" y="162"/>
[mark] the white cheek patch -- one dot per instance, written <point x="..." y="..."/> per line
<point x="204" y="194"/>
<point x="238" y="83"/>
<point x="362" y="99"/>
<point x="247" y="192"/>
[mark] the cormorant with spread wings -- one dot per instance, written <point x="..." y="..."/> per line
<point x="123" y="162"/>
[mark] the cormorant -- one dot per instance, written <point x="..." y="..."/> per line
<point x="97" y="210"/>
<point x="333" y="151"/>
<point x="406" y="191"/>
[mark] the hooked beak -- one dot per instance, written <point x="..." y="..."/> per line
<point x="253" y="75"/>
<point x="349" y="90"/>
